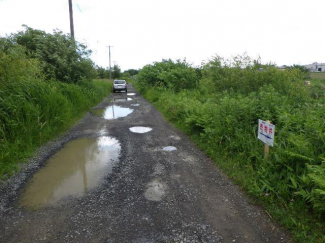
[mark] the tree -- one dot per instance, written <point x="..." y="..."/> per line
<point x="167" y="73"/>
<point x="304" y="71"/>
<point x="102" y="72"/>
<point x="61" y="58"/>
<point x="116" y="71"/>
<point x="132" y="72"/>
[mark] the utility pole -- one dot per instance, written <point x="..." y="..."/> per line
<point x="71" y="19"/>
<point x="110" y="67"/>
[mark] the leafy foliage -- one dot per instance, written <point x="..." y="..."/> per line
<point x="60" y="57"/>
<point x="116" y="72"/>
<point x="132" y="72"/>
<point x="222" y="113"/>
<point x="315" y="182"/>
<point x="33" y="106"/>
<point x="173" y="75"/>
<point x="102" y="73"/>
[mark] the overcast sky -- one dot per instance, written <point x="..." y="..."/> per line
<point x="284" y="32"/>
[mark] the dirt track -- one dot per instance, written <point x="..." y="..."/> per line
<point x="151" y="195"/>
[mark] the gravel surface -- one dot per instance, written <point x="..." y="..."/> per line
<point x="162" y="189"/>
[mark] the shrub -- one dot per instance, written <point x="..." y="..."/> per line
<point x="173" y="75"/>
<point x="61" y="58"/>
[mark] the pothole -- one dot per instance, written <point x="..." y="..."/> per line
<point x="140" y="129"/>
<point x="155" y="190"/>
<point x="112" y="112"/>
<point x="135" y="104"/>
<point x="159" y="169"/>
<point x="175" y="137"/>
<point x="78" y="167"/>
<point x="169" y="148"/>
<point x="122" y="99"/>
<point x="131" y="94"/>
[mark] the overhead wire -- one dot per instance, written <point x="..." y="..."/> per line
<point x="78" y="6"/>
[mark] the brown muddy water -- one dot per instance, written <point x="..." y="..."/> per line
<point x="112" y="112"/>
<point x="80" y="166"/>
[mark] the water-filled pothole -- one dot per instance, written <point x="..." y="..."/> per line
<point x="140" y="129"/>
<point x="175" y="137"/>
<point x="80" y="166"/>
<point x="169" y="148"/>
<point x="131" y="93"/>
<point x="112" y="112"/>
<point x="122" y="99"/>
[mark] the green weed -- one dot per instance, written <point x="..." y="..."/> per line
<point x="221" y="115"/>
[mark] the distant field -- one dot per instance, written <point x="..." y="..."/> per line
<point x="317" y="75"/>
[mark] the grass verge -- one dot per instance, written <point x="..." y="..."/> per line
<point x="247" y="168"/>
<point x="34" y="111"/>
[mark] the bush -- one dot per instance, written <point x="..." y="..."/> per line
<point x="173" y="75"/>
<point x="222" y="116"/>
<point x="61" y="58"/>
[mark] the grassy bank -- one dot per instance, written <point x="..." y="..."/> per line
<point x="45" y="86"/>
<point x="317" y="76"/>
<point x="34" y="111"/>
<point x="220" y="113"/>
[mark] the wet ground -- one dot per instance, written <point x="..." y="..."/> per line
<point x="123" y="174"/>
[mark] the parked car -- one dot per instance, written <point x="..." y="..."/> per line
<point x="119" y="85"/>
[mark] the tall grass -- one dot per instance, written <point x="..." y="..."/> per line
<point x="33" y="111"/>
<point x="222" y="115"/>
<point x="32" y="108"/>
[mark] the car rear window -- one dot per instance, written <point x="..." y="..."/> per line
<point x="119" y="82"/>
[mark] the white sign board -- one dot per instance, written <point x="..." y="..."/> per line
<point x="266" y="132"/>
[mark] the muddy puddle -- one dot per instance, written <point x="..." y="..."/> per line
<point x="131" y="94"/>
<point x="112" y="112"/>
<point x="78" y="167"/>
<point x="122" y="99"/>
<point x="140" y="129"/>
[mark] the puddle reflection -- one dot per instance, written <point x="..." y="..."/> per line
<point x="122" y="99"/>
<point x="112" y="112"/>
<point x="140" y="129"/>
<point x="131" y="94"/>
<point x="169" y="148"/>
<point x="81" y="165"/>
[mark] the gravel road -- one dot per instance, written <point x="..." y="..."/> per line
<point x="160" y="189"/>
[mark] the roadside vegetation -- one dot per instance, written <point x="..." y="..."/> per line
<point x="103" y="73"/>
<point x="46" y="84"/>
<point x="319" y="76"/>
<point x="219" y="105"/>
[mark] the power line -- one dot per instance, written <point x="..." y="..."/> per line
<point x="78" y="7"/>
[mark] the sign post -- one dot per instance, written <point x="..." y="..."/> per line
<point x="266" y="135"/>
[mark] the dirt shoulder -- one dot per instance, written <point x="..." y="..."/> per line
<point x="151" y="195"/>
